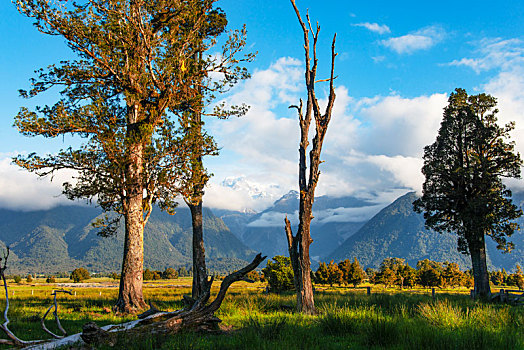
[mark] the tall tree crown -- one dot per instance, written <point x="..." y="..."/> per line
<point x="140" y="70"/>
<point x="463" y="190"/>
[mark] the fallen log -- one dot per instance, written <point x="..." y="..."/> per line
<point x="196" y="317"/>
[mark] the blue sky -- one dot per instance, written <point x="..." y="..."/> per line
<point x="397" y="62"/>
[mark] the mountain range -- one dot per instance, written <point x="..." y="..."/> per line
<point x="62" y="238"/>
<point x="350" y="227"/>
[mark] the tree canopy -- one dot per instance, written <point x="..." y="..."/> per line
<point x="139" y="70"/>
<point x="463" y="190"/>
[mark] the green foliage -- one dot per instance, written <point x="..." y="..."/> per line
<point x="463" y="191"/>
<point x="517" y="278"/>
<point x="50" y="279"/>
<point x="279" y="274"/>
<point x="182" y="272"/>
<point x="140" y="68"/>
<point x="151" y="275"/>
<point x="80" y="274"/>
<point x="29" y="279"/>
<point x="452" y="276"/>
<point x="169" y="273"/>
<point x="334" y="274"/>
<point x="17" y="279"/>
<point x="321" y="275"/>
<point x="253" y="276"/>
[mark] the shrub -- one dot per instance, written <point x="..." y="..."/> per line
<point x="279" y="274"/>
<point x="80" y="274"/>
<point x="170" y="273"/>
<point x="29" y="278"/>
<point x="17" y="279"/>
<point x="253" y="276"/>
<point x="50" y="279"/>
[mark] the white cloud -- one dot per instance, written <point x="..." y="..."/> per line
<point x="274" y="219"/>
<point x="495" y="54"/>
<point x="374" y="27"/>
<point x="22" y="190"/>
<point x="405" y="170"/>
<point x="346" y="214"/>
<point x="421" y="39"/>
<point x="506" y="56"/>
<point x="366" y="140"/>
<point x="394" y="125"/>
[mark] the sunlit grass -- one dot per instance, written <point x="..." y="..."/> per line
<point x="348" y="318"/>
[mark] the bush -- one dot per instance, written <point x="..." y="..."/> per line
<point x="29" y="279"/>
<point x="80" y="274"/>
<point x="169" y="274"/>
<point x="17" y="279"/>
<point x="253" y="276"/>
<point x="279" y="274"/>
<point x="50" y="279"/>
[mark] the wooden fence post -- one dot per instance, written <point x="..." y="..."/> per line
<point x="433" y="293"/>
<point x="368" y="290"/>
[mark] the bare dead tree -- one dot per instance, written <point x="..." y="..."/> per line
<point x="298" y="245"/>
<point x="55" y="313"/>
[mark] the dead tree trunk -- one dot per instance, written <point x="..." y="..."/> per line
<point x="298" y="245"/>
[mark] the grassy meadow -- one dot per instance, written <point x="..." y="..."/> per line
<point x="348" y="318"/>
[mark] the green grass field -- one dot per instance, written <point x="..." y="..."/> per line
<point x="348" y="319"/>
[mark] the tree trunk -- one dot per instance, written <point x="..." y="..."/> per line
<point x="199" y="256"/>
<point x="305" y="301"/>
<point x="477" y="249"/>
<point x="130" y="297"/>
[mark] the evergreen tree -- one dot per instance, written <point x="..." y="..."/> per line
<point x="517" y="278"/>
<point x="463" y="191"/>
<point x="356" y="275"/>
<point x="334" y="274"/>
<point x="451" y="275"/>
<point x="429" y="273"/>
<point x="321" y="275"/>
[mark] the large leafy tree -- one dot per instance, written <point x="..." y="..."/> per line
<point x="200" y="91"/>
<point x="125" y="95"/>
<point x="463" y="191"/>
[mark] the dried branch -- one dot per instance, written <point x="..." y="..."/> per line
<point x="55" y="313"/>
<point x="4" y="326"/>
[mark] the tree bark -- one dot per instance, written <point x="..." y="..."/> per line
<point x="477" y="250"/>
<point x="199" y="257"/>
<point x="298" y="245"/>
<point x="130" y="297"/>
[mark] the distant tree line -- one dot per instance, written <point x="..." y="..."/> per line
<point x="392" y="272"/>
